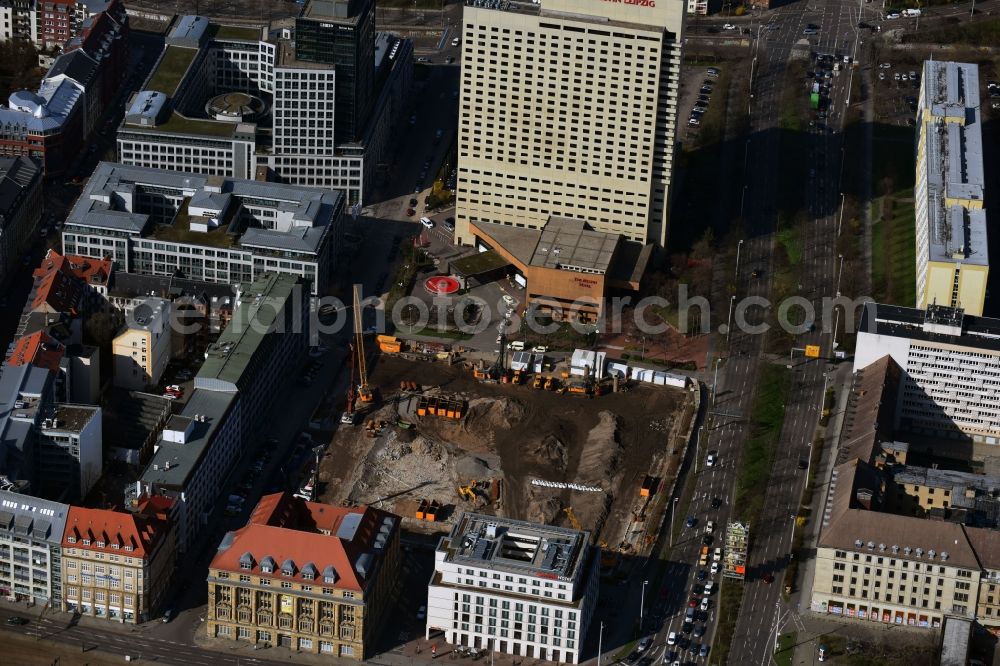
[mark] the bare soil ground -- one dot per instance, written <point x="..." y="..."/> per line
<point x="514" y="434"/>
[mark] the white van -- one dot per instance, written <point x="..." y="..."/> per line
<point x="456" y="41"/>
<point x="517" y="345"/>
<point x="911" y="13"/>
<point x="427" y="222"/>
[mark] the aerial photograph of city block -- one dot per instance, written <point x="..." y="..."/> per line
<point x="518" y="332"/>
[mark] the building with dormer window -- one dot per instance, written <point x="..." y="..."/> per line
<point x="117" y="565"/>
<point x="307" y="576"/>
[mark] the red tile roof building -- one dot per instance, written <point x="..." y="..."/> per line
<point x="39" y="349"/>
<point x="309" y="576"/>
<point x="117" y="564"/>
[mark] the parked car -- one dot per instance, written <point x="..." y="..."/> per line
<point x="691" y="521"/>
<point x="728" y="26"/>
<point x="672" y="638"/>
<point x="644" y="644"/>
<point x="17" y="620"/>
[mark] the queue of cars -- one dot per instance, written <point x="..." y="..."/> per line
<point x="704" y="96"/>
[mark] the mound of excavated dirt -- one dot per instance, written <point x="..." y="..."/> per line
<point x="487" y="415"/>
<point x="601" y="454"/>
<point x="542" y="508"/>
<point x="552" y="453"/>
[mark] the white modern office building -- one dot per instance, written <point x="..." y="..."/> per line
<point x="208" y="228"/>
<point x="568" y="109"/>
<point x="514" y="587"/>
<point x="31" y="531"/>
<point x="952" y="255"/>
<point x="240" y="102"/>
<point x="951" y="367"/>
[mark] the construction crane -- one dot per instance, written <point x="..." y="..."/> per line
<point x="347" y="418"/>
<point x="365" y="393"/>
<point x="572" y="518"/>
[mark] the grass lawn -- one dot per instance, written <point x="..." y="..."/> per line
<point x="173" y="64"/>
<point x="767" y="417"/>
<point x="434" y="332"/>
<point x="728" y="610"/>
<point x="893" y="159"/>
<point x="793" y="139"/>
<point x="894" y="249"/>
<point x="985" y="31"/>
<point x="237" y="32"/>
<point x="786" y="647"/>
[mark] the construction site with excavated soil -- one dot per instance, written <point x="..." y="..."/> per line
<point x="439" y="442"/>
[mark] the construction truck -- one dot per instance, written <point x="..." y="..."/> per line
<point x="538" y="382"/>
<point x="551" y="384"/>
<point x="580" y="387"/>
<point x="389" y="344"/>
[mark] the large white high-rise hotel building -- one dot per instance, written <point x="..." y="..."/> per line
<point x="568" y="109"/>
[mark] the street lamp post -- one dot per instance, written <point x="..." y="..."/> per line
<point x="642" y="603"/>
<point x="840" y="222"/>
<point x="673" y="512"/>
<point x="715" y="380"/>
<point x="600" y="642"/>
<point x="739" y="247"/>
<point x="729" y="325"/>
<point x="836" y="321"/>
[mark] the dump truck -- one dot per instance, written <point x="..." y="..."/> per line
<point x="389" y="344"/>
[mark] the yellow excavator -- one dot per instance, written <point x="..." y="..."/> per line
<point x="468" y="492"/>
<point x="365" y="392"/>
<point x="572" y="518"/>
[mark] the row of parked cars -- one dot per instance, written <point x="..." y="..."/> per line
<point x="704" y="96"/>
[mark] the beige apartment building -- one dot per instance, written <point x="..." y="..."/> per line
<point x="142" y="350"/>
<point x="952" y="264"/>
<point x="568" y="109"/>
<point x="117" y="565"/>
<point x="882" y="567"/>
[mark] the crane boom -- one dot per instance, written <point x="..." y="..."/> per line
<point x="365" y="393"/>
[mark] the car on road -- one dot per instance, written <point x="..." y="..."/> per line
<point x="17" y="620"/>
<point x="423" y="59"/>
<point x="881" y="76"/>
<point x="715" y="568"/>
<point x="768" y="578"/>
<point x="644" y="644"/>
<point x="691" y="521"/>
<point x="717" y="555"/>
<point x="671" y="658"/>
<point x="632" y="657"/>
<point x="697" y="589"/>
<point x="716" y="502"/>
<point x="168" y="615"/>
<point x="728" y="26"/>
<point x="694" y="121"/>
<point x="705" y="603"/>
<point x="672" y="638"/>
<point x="703" y="650"/>
<point x="701" y="575"/>
<point x="709" y="588"/>
<point x="809" y="31"/>
<point x="710" y="461"/>
<point x="427" y="222"/>
<point x="422" y="613"/>
<point x="449" y="224"/>
<point x="692" y="602"/>
<point x="707" y="539"/>
<point x="686" y="627"/>
<point x="410" y="212"/>
<point x="892" y="16"/>
<point x="699" y="631"/>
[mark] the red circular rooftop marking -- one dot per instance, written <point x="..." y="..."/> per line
<point x="441" y="285"/>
